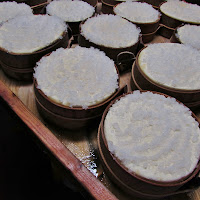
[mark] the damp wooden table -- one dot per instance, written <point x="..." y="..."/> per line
<point x="76" y="151"/>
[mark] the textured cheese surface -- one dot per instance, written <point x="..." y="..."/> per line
<point x="29" y="33"/>
<point x="71" y="11"/>
<point x="189" y="35"/>
<point x="137" y="12"/>
<point x="171" y="64"/>
<point x="154" y="136"/>
<point x="9" y="10"/>
<point x="77" y="77"/>
<point x="110" y="31"/>
<point x="182" y="11"/>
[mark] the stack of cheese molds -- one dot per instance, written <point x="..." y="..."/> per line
<point x="111" y="34"/>
<point x="74" y="86"/>
<point x="149" y="144"/>
<point x="175" y="13"/>
<point x="141" y="14"/>
<point x="25" y="39"/>
<point x="72" y="12"/>
<point x="148" y="141"/>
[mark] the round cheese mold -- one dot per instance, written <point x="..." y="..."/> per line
<point x="172" y="65"/>
<point x="30" y="33"/>
<point x="137" y="12"/>
<point x="153" y="136"/>
<point x="110" y="31"/>
<point x="77" y="77"/>
<point x="9" y="10"/>
<point x="70" y="11"/>
<point x="182" y="11"/>
<point x="189" y="35"/>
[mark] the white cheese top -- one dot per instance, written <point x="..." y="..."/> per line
<point x="29" y="33"/>
<point x="171" y="64"/>
<point x="137" y="12"/>
<point x="110" y="31"/>
<point x="70" y="11"/>
<point x="9" y="10"/>
<point x="153" y="136"/>
<point x="182" y="11"/>
<point x="77" y="76"/>
<point x="189" y="35"/>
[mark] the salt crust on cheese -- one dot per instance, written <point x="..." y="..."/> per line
<point x="137" y="12"/>
<point x="110" y="31"/>
<point x="71" y="11"/>
<point x="9" y="10"/>
<point x="171" y="64"/>
<point x="29" y="33"/>
<point x="189" y="35"/>
<point x="182" y="11"/>
<point x="154" y="136"/>
<point x="77" y="77"/>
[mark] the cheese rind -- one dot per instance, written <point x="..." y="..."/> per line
<point x="153" y="136"/>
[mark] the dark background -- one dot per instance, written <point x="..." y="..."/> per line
<point x="25" y="170"/>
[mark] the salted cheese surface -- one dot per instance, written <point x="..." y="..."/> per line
<point x="9" y="10"/>
<point x="110" y="31"/>
<point x="189" y="35"/>
<point x="182" y="11"/>
<point x="29" y="33"/>
<point x="77" y="77"/>
<point x="171" y="64"/>
<point x="70" y="11"/>
<point x="153" y="136"/>
<point x="137" y="12"/>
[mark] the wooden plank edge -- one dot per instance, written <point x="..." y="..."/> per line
<point x="61" y="152"/>
<point x="40" y="5"/>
